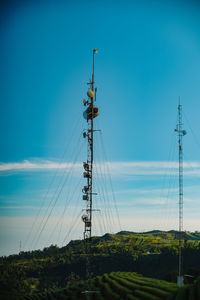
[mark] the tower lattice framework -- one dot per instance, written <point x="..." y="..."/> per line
<point x="181" y="133"/>
<point x="89" y="114"/>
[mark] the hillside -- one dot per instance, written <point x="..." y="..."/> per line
<point x="117" y="285"/>
<point x="122" y="285"/>
<point x="152" y="254"/>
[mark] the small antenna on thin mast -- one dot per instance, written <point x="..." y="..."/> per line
<point x="181" y="133"/>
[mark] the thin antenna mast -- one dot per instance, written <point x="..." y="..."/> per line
<point x="89" y="114"/>
<point x="181" y="133"/>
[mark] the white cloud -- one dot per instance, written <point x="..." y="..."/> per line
<point x="153" y="168"/>
<point x="145" y="191"/>
<point x="27" y="165"/>
<point x="117" y="169"/>
<point x="18" y="207"/>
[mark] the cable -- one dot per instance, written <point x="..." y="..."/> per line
<point x="70" y="197"/>
<point x="103" y="173"/>
<point x="56" y="199"/>
<point x="67" y="202"/>
<point x="72" y="227"/>
<point x="108" y="171"/>
<point x="101" y="192"/>
<point x="50" y="185"/>
<point x="192" y="131"/>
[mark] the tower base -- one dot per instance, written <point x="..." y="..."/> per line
<point x="180" y="281"/>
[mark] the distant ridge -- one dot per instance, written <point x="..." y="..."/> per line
<point x="174" y="234"/>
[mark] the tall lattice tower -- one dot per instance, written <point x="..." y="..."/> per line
<point x="89" y="114"/>
<point x="181" y="133"/>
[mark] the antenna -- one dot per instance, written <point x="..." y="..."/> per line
<point x="20" y="247"/>
<point x="89" y="114"/>
<point x="181" y="133"/>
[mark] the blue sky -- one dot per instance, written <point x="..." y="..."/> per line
<point x="149" y="55"/>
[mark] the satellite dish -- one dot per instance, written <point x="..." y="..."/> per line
<point x="90" y="94"/>
<point x="184" y="132"/>
<point x="88" y="115"/>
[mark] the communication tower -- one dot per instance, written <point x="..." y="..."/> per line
<point x="89" y="114"/>
<point x="181" y="133"/>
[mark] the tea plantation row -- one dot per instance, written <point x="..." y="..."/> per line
<point x="122" y="285"/>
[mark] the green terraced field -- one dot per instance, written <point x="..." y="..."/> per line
<point x="122" y="285"/>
